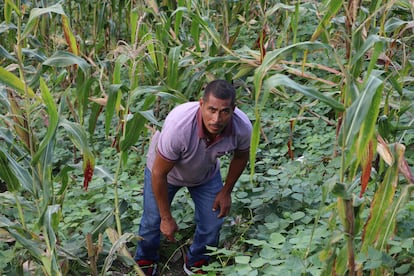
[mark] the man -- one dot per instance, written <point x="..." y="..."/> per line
<point x="185" y="154"/>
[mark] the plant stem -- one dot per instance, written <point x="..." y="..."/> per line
<point x="116" y="207"/>
<point x="20" y="210"/>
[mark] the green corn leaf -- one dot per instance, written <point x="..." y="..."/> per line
<point x="36" y="13"/>
<point x="273" y="57"/>
<point x="9" y="79"/>
<point x="376" y="51"/>
<point x="77" y="135"/>
<point x="7" y="175"/>
<point x="388" y="229"/>
<point x="113" y="104"/>
<point x="50" y="221"/>
<point x="133" y="19"/>
<point x="4" y="53"/>
<point x="53" y="119"/>
<point x="383" y="199"/>
<point x="28" y="241"/>
<point x="333" y="7"/>
<point x="21" y="173"/>
<point x="282" y="80"/>
<point x="367" y="130"/>
<point x="173" y="68"/>
<point x="366" y="46"/>
<point x="65" y="59"/>
<point x="136" y="125"/>
<point x="178" y="18"/>
<point x="9" y="7"/>
<point x="357" y="112"/>
<point x="195" y="34"/>
<point x="134" y="128"/>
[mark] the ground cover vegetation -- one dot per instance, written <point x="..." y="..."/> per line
<point x="328" y="86"/>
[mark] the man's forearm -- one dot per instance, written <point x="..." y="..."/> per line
<point x="236" y="168"/>
<point x="160" y="189"/>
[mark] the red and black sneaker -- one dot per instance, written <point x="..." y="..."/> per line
<point x="148" y="267"/>
<point x="195" y="268"/>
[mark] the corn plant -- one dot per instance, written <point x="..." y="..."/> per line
<point x="365" y="91"/>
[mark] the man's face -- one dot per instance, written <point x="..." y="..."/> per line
<point x="216" y="113"/>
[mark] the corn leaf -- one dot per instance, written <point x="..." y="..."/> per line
<point x="173" y="69"/>
<point x="9" y="79"/>
<point x="65" y="59"/>
<point x="382" y="202"/>
<point x="282" y="80"/>
<point x="53" y="119"/>
<point x="70" y="38"/>
<point x="36" y="13"/>
<point x="7" y="175"/>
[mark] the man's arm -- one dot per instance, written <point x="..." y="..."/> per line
<point x="160" y="170"/>
<point x="223" y="198"/>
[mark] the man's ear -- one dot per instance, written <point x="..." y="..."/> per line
<point x="201" y="102"/>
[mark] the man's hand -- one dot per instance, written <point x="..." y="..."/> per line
<point x="168" y="228"/>
<point x="223" y="201"/>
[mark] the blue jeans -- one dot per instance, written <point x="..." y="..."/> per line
<point x="207" y="224"/>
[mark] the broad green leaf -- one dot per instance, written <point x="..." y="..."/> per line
<point x="53" y="119"/>
<point x="35" y="54"/>
<point x="256" y="242"/>
<point x="50" y="223"/>
<point x="282" y="80"/>
<point x="133" y="19"/>
<point x="134" y="127"/>
<point x="368" y="45"/>
<point x="382" y="201"/>
<point x="273" y="57"/>
<point x="7" y="175"/>
<point x="5" y="222"/>
<point x="173" y="68"/>
<point x="77" y="134"/>
<point x="29" y="241"/>
<point x="178" y="18"/>
<point x="9" y="7"/>
<point x="149" y="115"/>
<point x="341" y="261"/>
<point x="4" y="53"/>
<point x="65" y="59"/>
<point x="242" y="259"/>
<point x="9" y="79"/>
<point x="258" y="262"/>
<point x="376" y="52"/>
<point x="357" y="112"/>
<point x="276" y="239"/>
<point x="366" y="132"/>
<point x="195" y="33"/>
<point x="36" y="13"/>
<point x="21" y="173"/>
<point x="394" y="23"/>
<point x="112" y="104"/>
<point x="331" y="11"/>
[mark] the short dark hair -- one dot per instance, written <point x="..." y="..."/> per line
<point x="220" y="89"/>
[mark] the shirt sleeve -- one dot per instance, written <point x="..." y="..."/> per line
<point x="170" y="142"/>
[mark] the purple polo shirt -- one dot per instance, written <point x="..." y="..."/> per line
<point x="182" y="140"/>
